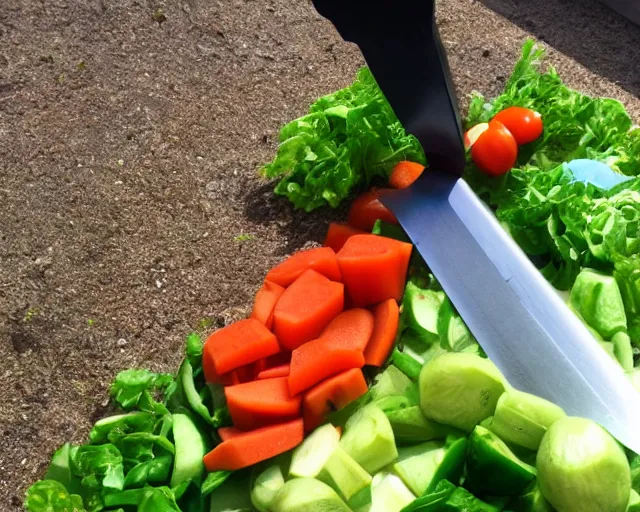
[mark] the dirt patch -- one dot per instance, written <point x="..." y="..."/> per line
<point x="130" y="135"/>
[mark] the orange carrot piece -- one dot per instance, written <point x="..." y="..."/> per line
<point x="255" y="446"/>
<point x="404" y="174"/>
<point x="227" y="433"/>
<point x="320" y="259"/>
<point x="374" y="268"/>
<point x="265" y="301"/>
<point x="239" y="344"/>
<point x="366" y="209"/>
<point x="385" y="328"/>
<point x="276" y="371"/>
<point x="351" y="328"/>
<point x="305" y="308"/>
<point x="331" y="395"/>
<point x="261" y="402"/>
<point x="338" y="234"/>
<point x="319" y="359"/>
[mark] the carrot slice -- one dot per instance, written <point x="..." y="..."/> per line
<point x="255" y="446"/>
<point x="239" y="344"/>
<point x="331" y="395"/>
<point x="385" y="328"/>
<point x="374" y="268"/>
<point x="265" y="301"/>
<point x="351" y="328"/>
<point x="320" y="259"/>
<point x="276" y="371"/>
<point x="227" y="433"/>
<point x="404" y="174"/>
<point x="338" y="234"/>
<point x="261" y="402"/>
<point x="305" y="308"/>
<point x="366" y="209"/>
<point x="319" y="359"/>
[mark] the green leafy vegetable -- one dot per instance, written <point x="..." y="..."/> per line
<point x="52" y="496"/>
<point x="98" y="466"/>
<point x="348" y="138"/>
<point x="133" y="389"/>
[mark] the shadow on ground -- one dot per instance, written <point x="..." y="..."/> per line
<point x="572" y="26"/>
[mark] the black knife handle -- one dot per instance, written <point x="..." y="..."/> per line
<point x="401" y="44"/>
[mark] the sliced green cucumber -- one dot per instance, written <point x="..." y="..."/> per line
<point x="420" y="306"/>
<point x="492" y="468"/>
<point x="460" y="389"/>
<point x="234" y="495"/>
<point x="410" y="426"/>
<point x="522" y="419"/>
<point x="307" y="495"/>
<point x="309" y="458"/>
<point x="368" y="438"/>
<point x="266" y="486"/>
<point x="622" y="350"/>
<point x="191" y="447"/>
<point x="634" y="502"/>
<point x="417" y="465"/>
<point x="392" y="382"/>
<point x="454" y="333"/>
<point x="348" y="478"/>
<point x="389" y="494"/>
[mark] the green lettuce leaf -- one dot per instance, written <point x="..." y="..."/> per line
<point x="134" y="389"/>
<point x="348" y="139"/>
<point x="52" y="496"/>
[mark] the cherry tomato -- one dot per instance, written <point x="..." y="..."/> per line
<point x="524" y="124"/>
<point x="366" y="209"/>
<point x="495" y="152"/>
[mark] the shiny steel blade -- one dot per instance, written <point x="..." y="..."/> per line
<point x="518" y="318"/>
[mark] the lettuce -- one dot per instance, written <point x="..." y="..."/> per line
<point x="347" y="139"/>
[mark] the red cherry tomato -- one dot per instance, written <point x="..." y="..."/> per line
<point x="495" y="152"/>
<point x="524" y="124"/>
<point x="366" y="209"/>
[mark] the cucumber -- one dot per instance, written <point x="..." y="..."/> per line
<point x="410" y="426"/>
<point x="368" y="438"/>
<point x="191" y="447"/>
<point x="492" y="468"/>
<point x="622" y="350"/>
<point x="420" y="306"/>
<point x="392" y="382"/>
<point x="522" y="419"/>
<point x="347" y="477"/>
<point x="454" y="333"/>
<point x="266" y="486"/>
<point x="417" y="465"/>
<point x="307" y="495"/>
<point x="634" y="502"/>
<point x="310" y="457"/>
<point x="460" y="389"/>
<point x="389" y="494"/>
<point x="234" y="495"/>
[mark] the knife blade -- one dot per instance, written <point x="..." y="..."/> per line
<point x="520" y="321"/>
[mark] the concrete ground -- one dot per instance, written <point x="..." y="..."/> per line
<point x="130" y="136"/>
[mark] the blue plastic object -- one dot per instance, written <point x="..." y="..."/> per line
<point x="596" y="173"/>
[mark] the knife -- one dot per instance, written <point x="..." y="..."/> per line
<point x="518" y="318"/>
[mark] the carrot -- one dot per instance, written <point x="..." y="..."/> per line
<point x="351" y="328"/>
<point x="374" y="268"/>
<point x="319" y="359"/>
<point x="238" y="376"/>
<point x="338" y="234"/>
<point x="404" y="174"/>
<point x="320" y="259"/>
<point x="366" y="209"/>
<point x="261" y="402"/>
<point x="331" y="395"/>
<point x="386" y="318"/>
<point x="265" y="301"/>
<point x="239" y="344"/>
<point x="252" y="447"/>
<point x="276" y="371"/>
<point x="305" y="308"/>
<point x="227" y="433"/>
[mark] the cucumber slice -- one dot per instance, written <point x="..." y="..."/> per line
<point x="522" y="419"/>
<point x="266" y="486"/>
<point x="622" y="350"/>
<point x="417" y="465"/>
<point x="420" y="306"/>
<point x="368" y="438"/>
<point x="531" y="501"/>
<point x="454" y="333"/>
<point x="234" y="495"/>
<point x="191" y="447"/>
<point x="492" y="468"/>
<point x="347" y="477"/>
<point x="460" y="389"/>
<point x="307" y="495"/>
<point x="634" y="502"/>
<point x="389" y="494"/>
<point x="410" y="426"/>
<point x="392" y="382"/>
<point x="309" y="458"/>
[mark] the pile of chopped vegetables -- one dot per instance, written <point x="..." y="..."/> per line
<point x="355" y="385"/>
